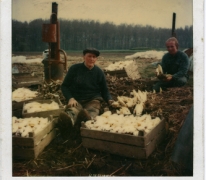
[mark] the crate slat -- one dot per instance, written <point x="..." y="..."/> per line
<point x="152" y="145"/>
<point x="124" y="149"/>
<point x="115" y="148"/>
<point x="154" y="132"/>
<point x="25" y="79"/>
<point x="119" y="73"/>
<point x="22" y="141"/>
<point x="116" y="71"/>
<point x="32" y="153"/>
<point x="32" y="141"/>
<point x="19" y="105"/>
<point x="37" y="137"/>
<point x="54" y="113"/>
<point x="113" y="137"/>
<point x="17" y="113"/>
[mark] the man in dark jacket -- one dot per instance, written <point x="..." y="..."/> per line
<point x="175" y="63"/>
<point x="84" y="88"/>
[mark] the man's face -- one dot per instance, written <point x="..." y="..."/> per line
<point x="90" y="59"/>
<point x="171" y="47"/>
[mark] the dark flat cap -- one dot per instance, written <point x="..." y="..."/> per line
<point x="91" y="50"/>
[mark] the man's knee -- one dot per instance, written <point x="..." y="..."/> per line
<point x="180" y="82"/>
<point x="93" y="107"/>
<point x="159" y="85"/>
<point x="93" y="104"/>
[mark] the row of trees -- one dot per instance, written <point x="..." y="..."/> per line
<point x="78" y="34"/>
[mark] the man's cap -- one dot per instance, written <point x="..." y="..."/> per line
<point x="91" y="50"/>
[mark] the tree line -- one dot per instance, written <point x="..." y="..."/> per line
<point x="79" y="34"/>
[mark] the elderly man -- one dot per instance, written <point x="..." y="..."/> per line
<point x="175" y="63"/>
<point x="84" y="88"/>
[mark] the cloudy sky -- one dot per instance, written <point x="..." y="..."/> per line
<point x="156" y="13"/>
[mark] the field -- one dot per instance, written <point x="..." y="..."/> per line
<point x="67" y="156"/>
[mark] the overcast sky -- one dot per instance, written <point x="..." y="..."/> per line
<point x="156" y="13"/>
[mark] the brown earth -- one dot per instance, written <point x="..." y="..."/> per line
<point x="67" y="157"/>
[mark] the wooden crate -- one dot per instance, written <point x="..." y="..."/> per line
<point x="31" y="147"/>
<point x="54" y="113"/>
<point x="17" y="107"/>
<point x="25" y="80"/>
<point x="139" y="147"/>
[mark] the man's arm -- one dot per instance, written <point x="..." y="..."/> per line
<point x="184" y="65"/>
<point x="164" y="64"/>
<point x="65" y="87"/>
<point x="104" y="89"/>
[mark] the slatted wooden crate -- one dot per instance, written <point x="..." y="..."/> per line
<point x="54" y="113"/>
<point x="138" y="147"/>
<point x="30" y="147"/>
<point x="25" y="80"/>
<point x="17" y="107"/>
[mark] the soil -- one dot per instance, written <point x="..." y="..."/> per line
<point x="68" y="157"/>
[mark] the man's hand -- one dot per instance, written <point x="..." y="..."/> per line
<point x="168" y="78"/>
<point x="72" y="103"/>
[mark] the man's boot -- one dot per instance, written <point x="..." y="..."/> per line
<point x="65" y="124"/>
<point x="83" y="116"/>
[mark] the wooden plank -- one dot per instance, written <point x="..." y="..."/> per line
<point x="116" y="71"/>
<point x="38" y="137"/>
<point x="154" y="132"/>
<point x="25" y="80"/>
<point x="44" y="101"/>
<point x="113" y="137"/>
<point x="25" y="85"/>
<point x="16" y="75"/>
<point x="24" y="75"/>
<point x="40" y="147"/>
<point x="17" y="113"/>
<point x="115" y="148"/>
<point x="54" y="113"/>
<point x="32" y="153"/>
<point x="118" y="74"/>
<point x="121" y="75"/>
<point x="32" y="141"/>
<point x="152" y="145"/>
<point x="32" y="78"/>
<point x="22" y="141"/>
<point x="21" y="153"/>
<point x="17" y="105"/>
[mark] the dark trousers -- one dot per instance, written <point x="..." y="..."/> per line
<point x="173" y="83"/>
<point x="91" y="106"/>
